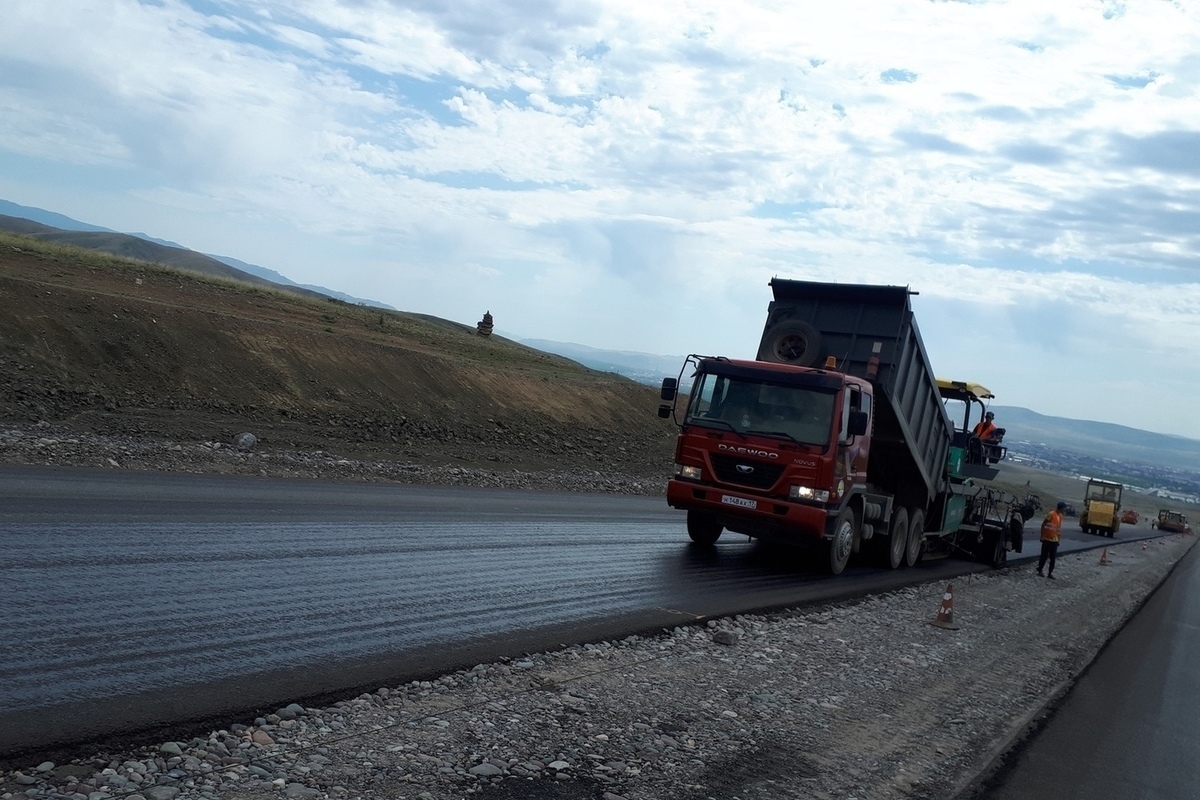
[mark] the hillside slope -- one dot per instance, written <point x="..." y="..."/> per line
<point x="110" y="345"/>
<point x="129" y="246"/>
<point x="16" y="218"/>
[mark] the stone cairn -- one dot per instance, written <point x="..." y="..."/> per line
<point x="485" y="325"/>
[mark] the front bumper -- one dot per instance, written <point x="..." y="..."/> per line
<point x="768" y="518"/>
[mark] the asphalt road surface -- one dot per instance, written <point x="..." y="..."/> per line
<point x="1129" y="729"/>
<point x="137" y="603"/>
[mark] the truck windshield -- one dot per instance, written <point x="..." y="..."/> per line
<point x="795" y="412"/>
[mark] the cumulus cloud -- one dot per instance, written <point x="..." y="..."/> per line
<point x="648" y="164"/>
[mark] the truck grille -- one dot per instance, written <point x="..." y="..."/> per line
<point x="754" y="474"/>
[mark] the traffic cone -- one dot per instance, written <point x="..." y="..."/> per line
<point x="945" y="614"/>
<point x="1104" y="558"/>
<point x="1143" y="545"/>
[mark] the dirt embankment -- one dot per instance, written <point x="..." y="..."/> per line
<point x="104" y="345"/>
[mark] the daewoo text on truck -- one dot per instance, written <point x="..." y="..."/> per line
<point x="835" y="435"/>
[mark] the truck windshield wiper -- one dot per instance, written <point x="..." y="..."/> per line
<point x="777" y="435"/>
<point x="714" y="422"/>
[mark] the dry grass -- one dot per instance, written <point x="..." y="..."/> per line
<point x="169" y="347"/>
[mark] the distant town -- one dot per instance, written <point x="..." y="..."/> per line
<point x="1155" y="480"/>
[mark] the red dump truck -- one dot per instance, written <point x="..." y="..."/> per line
<point x="834" y="436"/>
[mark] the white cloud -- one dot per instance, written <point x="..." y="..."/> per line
<point x="647" y="167"/>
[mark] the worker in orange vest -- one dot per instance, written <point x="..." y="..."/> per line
<point x="985" y="429"/>
<point x="1051" y="528"/>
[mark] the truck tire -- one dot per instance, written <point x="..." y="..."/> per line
<point x="839" y="547"/>
<point x="792" y="341"/>
<point x="992" y="550"/>
<point x="703" y="529"/>
<point x="897" y="540"/>
<point x="1016" y="533"/>
<point x="916" y="537"/>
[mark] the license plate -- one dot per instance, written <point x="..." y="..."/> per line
<point x="740" y="502"/>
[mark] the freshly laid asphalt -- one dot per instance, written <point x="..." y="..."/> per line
<point x="135" y="603"/>
<point x="1130" y="727"/>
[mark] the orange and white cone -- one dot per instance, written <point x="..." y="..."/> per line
<point x="945" y="615"/>
<point x="1104" y="557"/>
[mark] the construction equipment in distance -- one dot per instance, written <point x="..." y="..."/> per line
<point x="1172" y="521"/>
<point x="1101" y="502"/>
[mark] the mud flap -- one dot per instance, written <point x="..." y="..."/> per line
<point x="1016" y="534"/>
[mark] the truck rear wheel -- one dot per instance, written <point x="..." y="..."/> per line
<point x="702" y="528"/>
<point x="916" y="537"/>
<point x="845" y="531"/>
<point x="897" y="542"/>
<point x="792" y="341"/>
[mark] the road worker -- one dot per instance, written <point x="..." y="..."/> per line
<point x="1051" y="528"/>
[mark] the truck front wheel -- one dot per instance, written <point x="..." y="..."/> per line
<point x="845" y="531"/>
<point x="702" y="528"/>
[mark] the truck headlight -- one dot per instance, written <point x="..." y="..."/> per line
<point x="688" y="473"/>
<point x="808" y="493"/>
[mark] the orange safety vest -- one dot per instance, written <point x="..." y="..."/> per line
<point x="984" y="429"/>
<point x="1051" y="525"/>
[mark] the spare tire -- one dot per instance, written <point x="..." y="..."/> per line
<point x="792" y="341"/>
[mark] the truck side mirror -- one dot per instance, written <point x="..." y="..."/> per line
<point x="664" y="411"/>
<point x="858" y="422"/>
<point x="669" y="388"/>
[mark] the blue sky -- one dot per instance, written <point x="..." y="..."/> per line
<point x="630" y="175"/>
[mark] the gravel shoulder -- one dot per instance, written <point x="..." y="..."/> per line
<point x="50" y="445"/>
<point x="862" y="699"/>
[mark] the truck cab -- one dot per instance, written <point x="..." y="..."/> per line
<point x="769" y="450"/>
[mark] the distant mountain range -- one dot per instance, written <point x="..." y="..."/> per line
<point x="1031" y="426"/>
<point x="55" y="227"/>
<point x="1027" y="431"/>
<point x="641" y="367"/>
